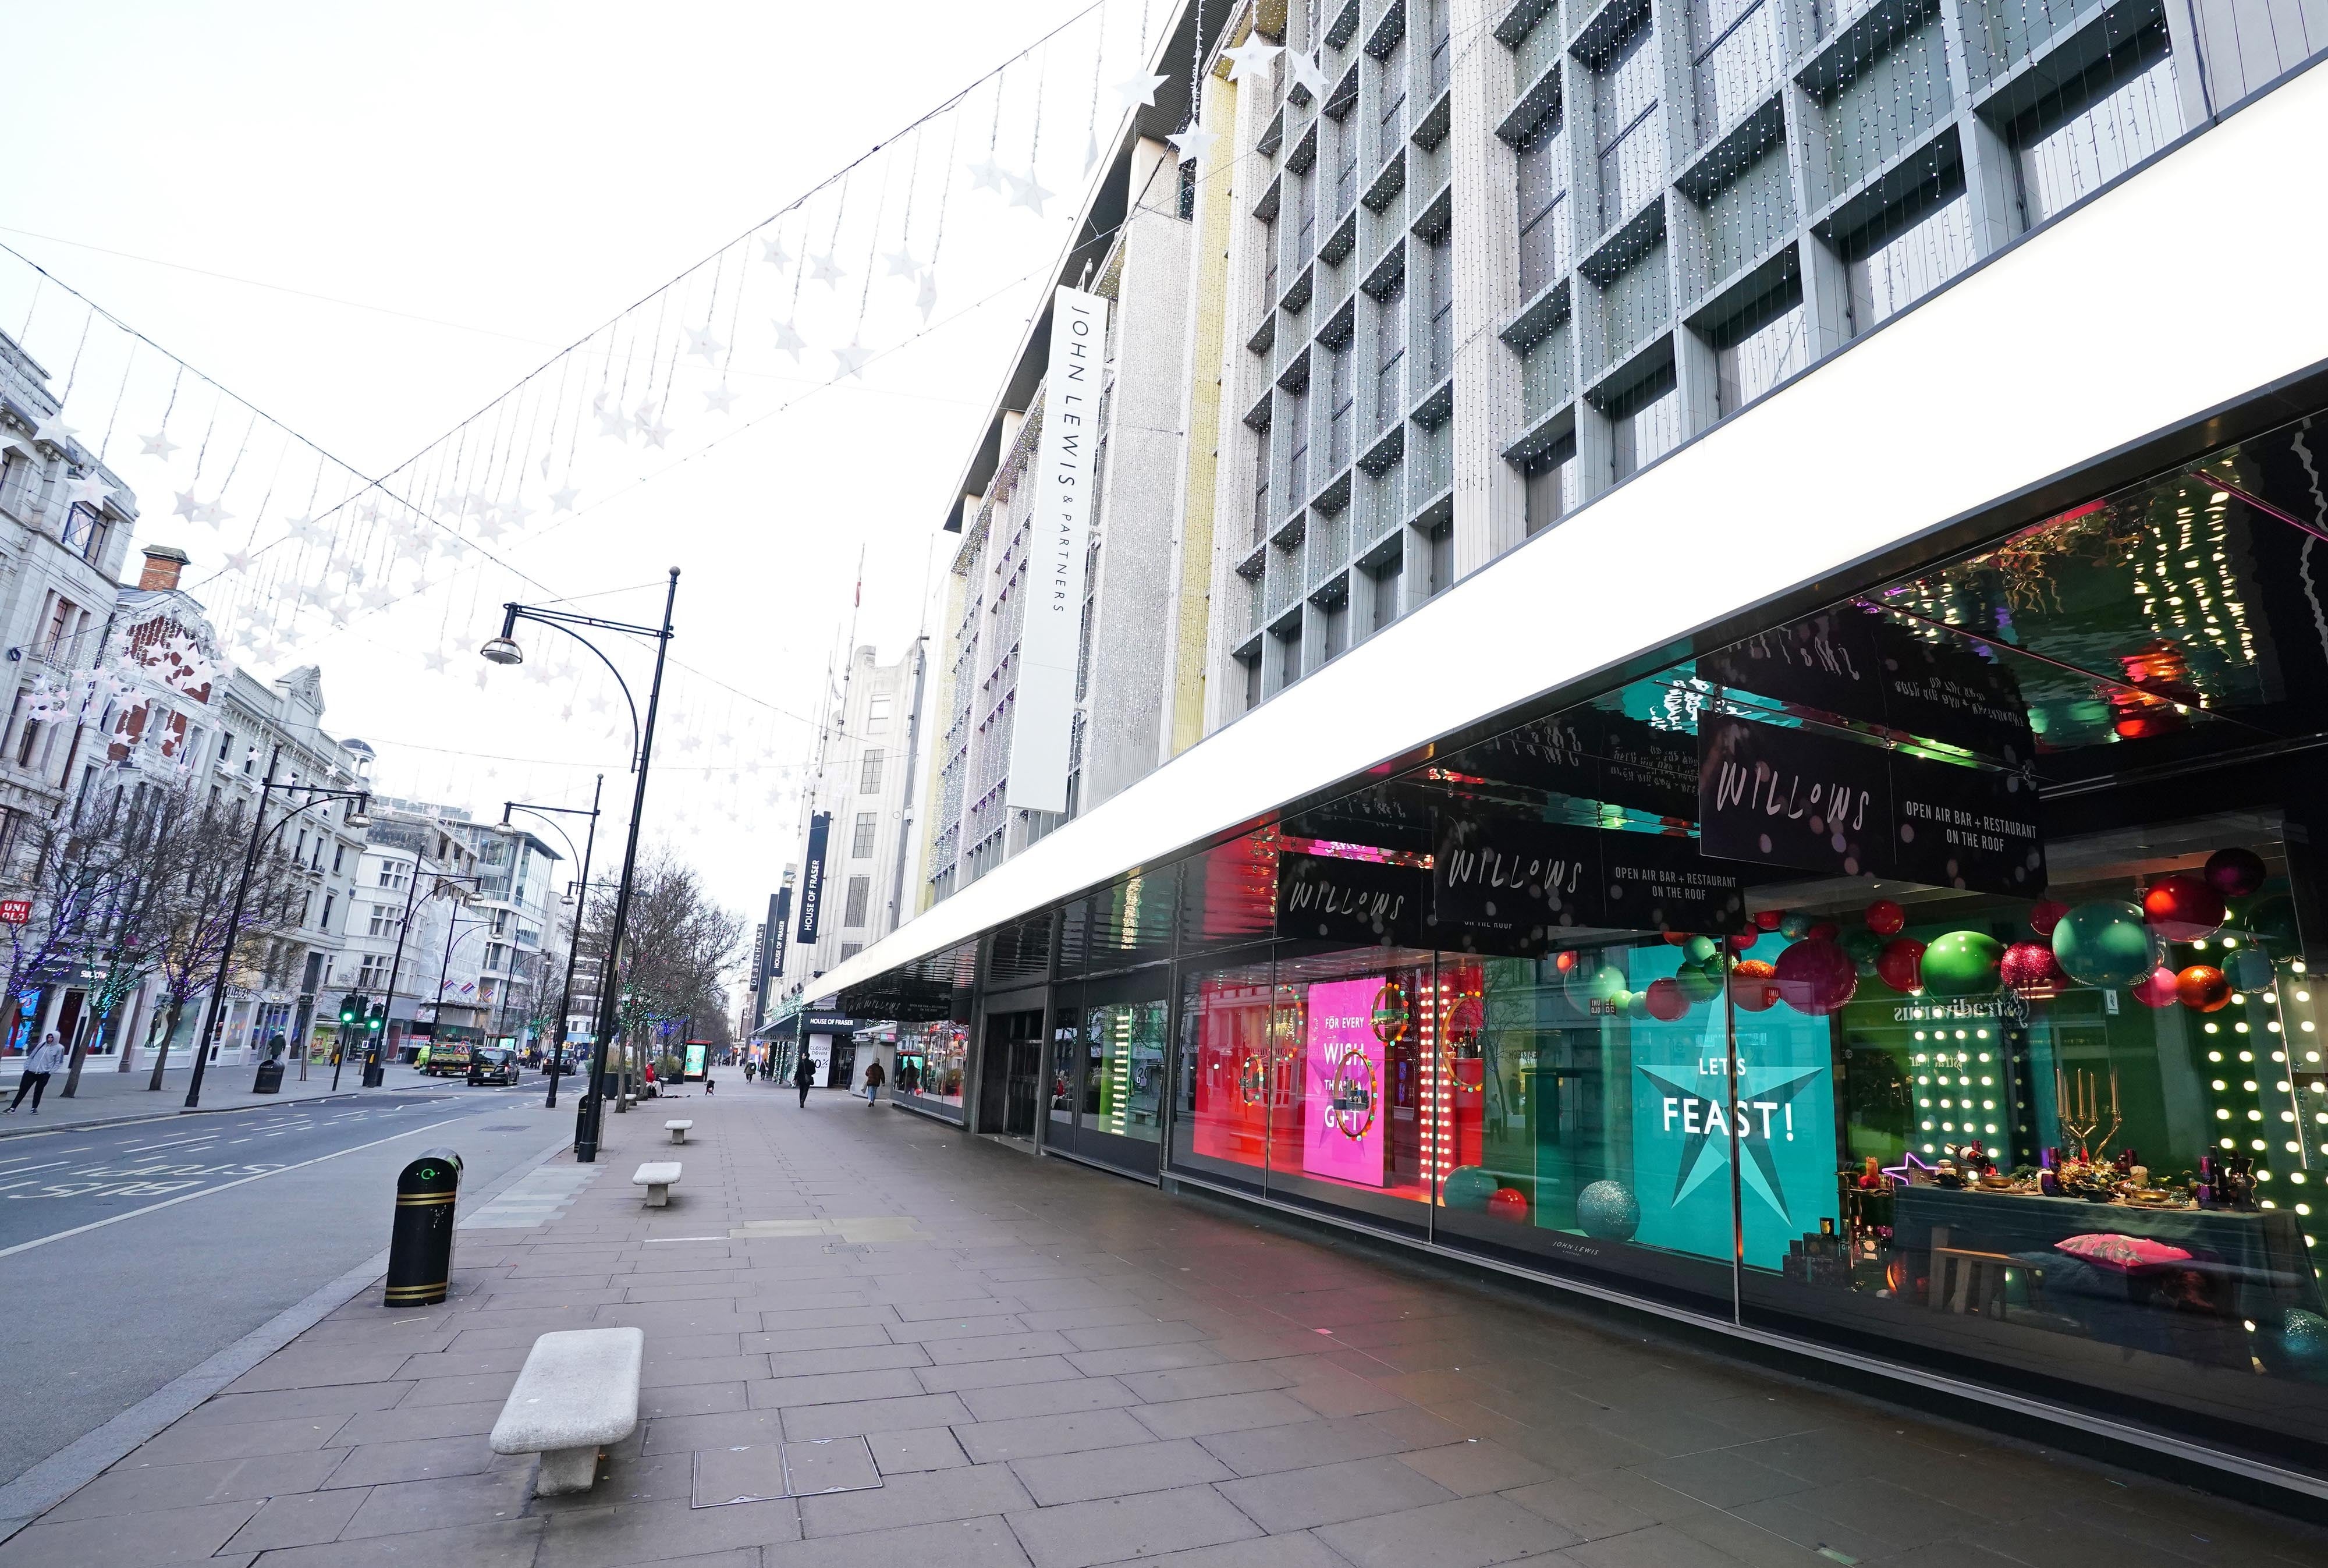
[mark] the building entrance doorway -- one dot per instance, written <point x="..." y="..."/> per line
<point x="1011" y="1073"/>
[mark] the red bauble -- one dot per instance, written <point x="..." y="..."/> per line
<point x="1509" y="1203"/>
<point x="1752" y="986"/>
<point x="1824" y="931"/>
<point x="1666" y="1001"/>
<point x="2031" y="966"/>
<point x="1769" y="919"/>
<point x="1900" y="964"/>
<point x="2235" y="872"/>
<point x="1816" y="976"/>
<point x="1744" y="940"/>
<point x="2182" y="908"/>
<point x="2159" y="991"/>
<point x="2046" y="914"/>
<point x="1886" y="918"/>
<point x="2202" y="989"/>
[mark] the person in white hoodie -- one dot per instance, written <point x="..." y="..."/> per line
<point x="46" y="1058"/>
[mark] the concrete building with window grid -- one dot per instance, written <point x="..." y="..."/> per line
<point x="412" y="841"/>
<point x="1608" y="430"/>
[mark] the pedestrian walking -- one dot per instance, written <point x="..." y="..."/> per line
<point x="873" y="1076"/>
<point x="747" y="1072"/>
<point x="804" y="1076"/>
<point x="708" y="1084"/>
<point x="45" y="1058"/>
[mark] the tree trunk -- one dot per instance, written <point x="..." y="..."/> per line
<point x="162" y="1052"/>
<point x="83" y="1032"/>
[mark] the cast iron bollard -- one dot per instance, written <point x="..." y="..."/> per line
<point x="420" y="1245"/>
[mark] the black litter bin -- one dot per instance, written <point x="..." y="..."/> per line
<point x="420" y="1243"/>
<point x="269" y="1080"/>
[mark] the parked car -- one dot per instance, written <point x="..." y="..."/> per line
<point x="445" y="1058"/>
<point x="493" y="1065"/>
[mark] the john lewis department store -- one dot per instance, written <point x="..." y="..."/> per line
<point x="1865" y="906"/>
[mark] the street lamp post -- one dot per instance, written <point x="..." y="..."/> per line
<point x="503" y="649"/>
<point x="374" y="1072"/>
<point x="581" y="904"/>
<point x="357" y="817"/>
<point x="444" y="969"/>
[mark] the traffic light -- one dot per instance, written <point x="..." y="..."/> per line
<point x="377" y="1021"/>
<point x="352" y="1009"/>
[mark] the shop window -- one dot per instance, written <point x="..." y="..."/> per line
<point x="1644" y="425"/>
<point x="1894" y="266"/>
<point x="1758" y="348"/>
<point x="1551" y="487"/>
<point x="930" y="1060"/>
<point x="1123" y="1071"/>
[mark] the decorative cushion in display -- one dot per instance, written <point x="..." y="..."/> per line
<point x="2105" y="944"/>
<point x="1962" y="963"/>
<point x="2235" y="872"/>
<point x="2202" y="989"/>
<point x="1900" y="964"/>
<point x="1468" y="1188"/>
<point x="2250" y="971"/>
<point x="1815" y="977"/>
<point x="2184" y="908"/>
<point x="1608" y="1209"/>
<point x="1510" y="1204"/>
<point x="2126" y="1254"/>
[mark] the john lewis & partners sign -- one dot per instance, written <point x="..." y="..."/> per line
<point x="1050" y="639"/>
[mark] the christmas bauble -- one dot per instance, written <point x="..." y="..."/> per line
<point x="1865" y="947"/>
<point x="1745" y="940"/>
<point x="2250" y="971"/>
<point x="1886" y="918"/>
<point x="1698" y="948"/>
<point x="2157" y="988"/>
<point x="1637" y="1004"/>
<point x="1468" y="1188"/>
<point x="1794" y="926"/>
<point x="2182" y="908"/>
<point x="1698" y="984"/>
<point x="2273" y="921"/>
<point x="2046" y="914"/>
<point x="1900" y="964"/>
<point x="2202" y="989"/>
<point x="2235" y="872"/>
<point x="1816" y="977"/>
<point x="2030" y="966"/>
<point x="1609" y="1210"/>
<point x="1769" y="919"/>
<point x="1509" y="1203"/>
<point x="2104" y="944"/>
<point x="1962" y="963"/>
<point x="1604" y="985"/>
<point x="1666" y="1000"/>
<point x="2303" y="1338"/>
<point x="1752" y="986"/>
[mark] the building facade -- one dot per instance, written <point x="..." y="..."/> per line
<point x="1757" y="574"/>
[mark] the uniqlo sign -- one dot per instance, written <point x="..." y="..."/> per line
<point x="15" y="911"/>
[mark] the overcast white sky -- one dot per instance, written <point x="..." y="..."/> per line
<point x="497" y="179"/>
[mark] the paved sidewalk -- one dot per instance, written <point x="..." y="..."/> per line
<point x="873" y="1341"/>
<point x="106" y="1095"/>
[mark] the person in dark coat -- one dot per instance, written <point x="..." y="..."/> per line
<point x="804" y="1076"/>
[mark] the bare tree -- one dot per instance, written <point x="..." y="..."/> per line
<point x="676" y="945"/>
<point x="125" y="941"/>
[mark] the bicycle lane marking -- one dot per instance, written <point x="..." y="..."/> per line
<point x="223" y="1186"/>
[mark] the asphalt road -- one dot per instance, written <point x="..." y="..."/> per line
<point x="130" y="1254"/>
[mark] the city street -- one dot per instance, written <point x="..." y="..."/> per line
<point x="129" y="1254"/>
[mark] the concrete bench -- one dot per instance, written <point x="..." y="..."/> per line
<point x="678" y="1131"/>
<point x="658" y="1178"/>
<point x="578" y="1391"/>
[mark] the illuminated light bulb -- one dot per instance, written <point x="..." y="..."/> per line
<point x="2214" y="1056"/>
<point x="2220" y="1116"/>
<point x="2219" y="1086"/>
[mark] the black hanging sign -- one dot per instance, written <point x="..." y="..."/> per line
<point x="1592" y="755"/>
<point x="1647" y="769"/>
<point x="1940" y="689"/>
<point x="1505" y="885"/>
<point x="1661" y="882"/>
<point x="1787" y="797"/>
<point x="1966" y="827"/>
<point x="1364" y="902"/>
<point x="1828" y="661"/>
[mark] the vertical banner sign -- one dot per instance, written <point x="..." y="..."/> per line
<point x="780" y="921"/>
<point x="811" y="902"/>
<point x="1050" y="641"/>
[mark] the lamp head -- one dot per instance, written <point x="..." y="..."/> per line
<point x="359" y="813"/>
<point x="502" y="651"/>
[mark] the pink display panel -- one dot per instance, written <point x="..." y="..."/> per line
<point x="1342" y="1114"/>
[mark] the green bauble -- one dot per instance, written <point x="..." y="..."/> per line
<point x="1604" y="986"/>
<point x="1962" y="963"/>
<point x="2250" y="971"/>
<point x="1698" y="948"/>
<point x="2103" y="944"/>
<point x="1637" y="1005"/>
<point x="1697" y="984"/>
<point x="2296" y="1346"/>
<point x="1468" y="1188"/>
<point x="1865" y="947"/>
<point x="1608" y="1209"/>
<point x="2272" y="921"/>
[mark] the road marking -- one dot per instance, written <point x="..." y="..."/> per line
<point x="223" y="1186"/>
<point x="20" y="1169"/>
<point x="232" y="1143"/>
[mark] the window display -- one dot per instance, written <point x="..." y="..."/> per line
<point x="930" y="1059"/>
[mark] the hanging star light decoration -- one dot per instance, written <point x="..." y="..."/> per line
<point x="187" y="506"/>
<point x="434" y="661"/>
<point x="655" y="432"/>
<point x="773" y="252"/>
<point x="378" y="597"/>
<point x="927" y="299"/>
<point x="717" y="399"/>
<point x="237" y="560"/>
<point x="515" y="513"/>
<point x="902" y="263"/>
<point x="825" y="270"/>
<point x="212" y="513"/>
<point x="703" y="345"/>
<point x="1194" y="144"/>
<point x="616" y="423"/>
<point x="89" y="491"/>
<point x="563" y="500"/>
<point x="1251" y="60"/>
<point x="1308" y="75"/>
<point x="305" y="529"/>
<point x="789" y="341"/>
<point x="158" y="445"/>
<point x="1138" y="91"/>
<point x="986" y="174"/>
<point x="1028" y="191"/>
<point x="55" y="432"/>
<point x="852" y="359"/>
<point x="489" y="528"/>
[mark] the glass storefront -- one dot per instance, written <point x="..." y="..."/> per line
<point x="931" y="1061"/>
<point x="1928" y="977"/>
